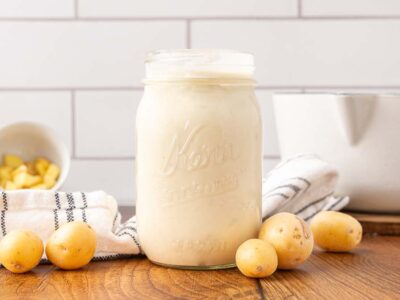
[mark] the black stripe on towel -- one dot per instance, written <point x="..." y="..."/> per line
<point x="127" y="227"/>
<point x="329" y="208"/>
<point x="3" y="222"/>
<point x="302" y="179"/>
<point x="71" y="206"/>
<point x="84" y="219"/>
<point x="133" y="238"/>
<point x="55" y="211"/>
<point x="313" y="203"/>
<point x="130" y="222"/>
<point x="58" y="203"/>
<point x="5" y="200"/>
<point x="3" y="213"/>
<point x="112" y="257"/>
<point x="56" y="222"/>
<point x="336" y="203"/>
<point x="293" y="187"/>
<point x="277" y="194"/>
<point x="115" y="219"/>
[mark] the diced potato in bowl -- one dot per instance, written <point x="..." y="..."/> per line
<point x="17" y="174"/>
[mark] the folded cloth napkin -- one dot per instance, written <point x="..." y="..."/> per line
<point x="45" y="211"/>
<point x="303" y="185"/>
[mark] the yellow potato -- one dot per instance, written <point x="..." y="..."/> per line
<point x="38" y="174"/>
<point x="31" y="168"/>
<point x="256" y="258"/>
<point x="41" y="165"/>
<point x="43" y="161"/>
<point x="9" y="186"/>
<point x="49" y="182"/>
<point x="52" y="173"/>
<point x="19" y="170"/>
<point x="5" y="173"/>
<point x="32" y="180"/>
<point x="72" y="246"/>
<point x="26" y="180"/>
<point x="291" y="238"/>
<point x="19" y="180"/>
<point x="40" y="186"/>
<point x="20" y="251"/>
<point x="12" y="161"/>
<point x="3" y="183"/>
<point x="336" y="231"/>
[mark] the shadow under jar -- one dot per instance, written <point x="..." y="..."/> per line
<point x="199" y="158"/>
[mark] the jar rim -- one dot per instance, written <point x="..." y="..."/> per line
<point x="175" y="64"/>
<point x="200" y="56"/>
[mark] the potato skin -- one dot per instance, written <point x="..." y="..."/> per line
<point x="335" y="231"/>
<point x="291" y="238"/>
<point x="72" y="246"/>
<point x="256" y="258"/>
<point x="21" y="251"/>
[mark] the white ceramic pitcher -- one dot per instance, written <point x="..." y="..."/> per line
<point x="357" y="133"/>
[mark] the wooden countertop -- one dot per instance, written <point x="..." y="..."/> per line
<point x="372" y="271"/>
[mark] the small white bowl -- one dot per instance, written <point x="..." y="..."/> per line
<point x="31" y="140"/>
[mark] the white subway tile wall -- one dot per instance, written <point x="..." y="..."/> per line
<point x="185" y="8"/>
<point x="48" y="107"/>
<point x="80" y="54"/>
<point x="105" y="122"/>
<point x="350" y="8"/>
<point x="77" y="65"/>
<point x="115" y="176"/>
<point x="37" y="8"/>
<point x="313" y="52"/>
<point x="270" y="139"/>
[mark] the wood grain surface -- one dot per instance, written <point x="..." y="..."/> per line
<point x="384" y="224"/>
<point x="372" y="271"/>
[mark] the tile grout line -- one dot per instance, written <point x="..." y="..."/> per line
<point x="73" y="124"/>
<point x="76" y="9"/>
<point x="300" y="8"/>
<point x="105" y="158"/>
<point x="297" y="17"/>
<point x="188" y="34"/>
<point x="327" y="87"/>
<point x="67" y="89"/>
<point x="140" y="88"/>
<point x="133" y="157"/>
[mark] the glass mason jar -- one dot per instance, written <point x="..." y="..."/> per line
<point x="199" y="158"/>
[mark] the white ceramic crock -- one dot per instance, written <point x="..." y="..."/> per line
<point x="31" y="140"/>
<point x="358" y="134"/>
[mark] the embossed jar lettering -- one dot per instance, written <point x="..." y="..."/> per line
<point x="184" y="153"/>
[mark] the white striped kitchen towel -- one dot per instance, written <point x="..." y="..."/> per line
<point x="303" y="185"/>
<point x="45" y="211"/>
